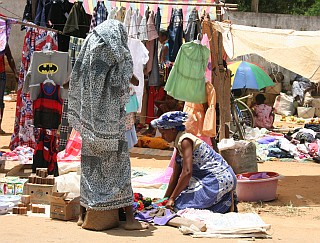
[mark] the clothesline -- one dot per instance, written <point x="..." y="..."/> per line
<point x="60" y="32"/>
<point x="30" y="25"/>
<point x="228" y="5"/>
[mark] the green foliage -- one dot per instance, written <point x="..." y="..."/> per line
<point x="295" y="7"/>
<point x="314" y="10"/>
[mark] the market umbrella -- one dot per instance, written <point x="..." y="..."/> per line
<point x="248" y="75"/>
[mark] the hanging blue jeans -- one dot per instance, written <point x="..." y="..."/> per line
<point x="193" y="27"/>
<point x="175" y="31"/>
<point x="42" y="12"/>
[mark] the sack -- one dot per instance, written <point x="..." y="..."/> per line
<point x="276" y="89"/>
<point x="316" y="104"/>
<point x="242" y="159"/>
<point x="283" y="105"/>
<point x="277" y="77"/>
<point x="306" y="112"/>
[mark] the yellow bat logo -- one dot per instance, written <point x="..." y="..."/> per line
<point x="47" y="68"/>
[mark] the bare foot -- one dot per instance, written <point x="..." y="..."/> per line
<point x="80" y="220"/>
<point x="81" y="216"/>
<point x="136" y="225"/>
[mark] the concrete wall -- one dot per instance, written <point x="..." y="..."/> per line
<point x="15" y="10"/>
<point x="275" y="21"/>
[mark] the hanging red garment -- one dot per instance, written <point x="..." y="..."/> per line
<point x="155" y="94"/>
<point x="24" y="133"/>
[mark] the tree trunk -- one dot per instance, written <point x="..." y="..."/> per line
<point x="255" y="6"/>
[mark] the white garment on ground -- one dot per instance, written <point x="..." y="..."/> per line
<point x="140" y="56"/>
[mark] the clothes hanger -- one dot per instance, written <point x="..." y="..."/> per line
<point x="198" y="40"/>
<point x="48" y="80"/>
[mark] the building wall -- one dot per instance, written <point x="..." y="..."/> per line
<point x="275" y="21"/>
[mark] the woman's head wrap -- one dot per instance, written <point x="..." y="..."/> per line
<point x="172" y="119"/>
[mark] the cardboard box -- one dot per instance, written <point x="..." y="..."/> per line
<point x="63" y="208"/>
<point x="39" y="194"/>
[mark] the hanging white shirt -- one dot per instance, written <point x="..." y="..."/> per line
<point x="140" y="56"/>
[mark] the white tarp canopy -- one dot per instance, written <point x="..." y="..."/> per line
<point x="298" y="51"/>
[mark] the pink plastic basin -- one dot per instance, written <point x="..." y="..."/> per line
<point x="262" y="186"/>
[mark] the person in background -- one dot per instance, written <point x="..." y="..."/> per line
<point x="201" y="178"/>
<point x="7" y="53"/>
<point x="263" y="114"/>
<point x="164" y="49"/>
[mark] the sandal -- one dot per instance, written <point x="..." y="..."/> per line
<point x="2" y="132"/>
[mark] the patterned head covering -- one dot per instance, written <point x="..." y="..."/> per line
<point x="172" y="119"/>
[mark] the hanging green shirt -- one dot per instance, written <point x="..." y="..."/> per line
<point x="186" y="80"/>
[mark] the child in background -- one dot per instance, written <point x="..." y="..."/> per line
<point x="263" y="114"/>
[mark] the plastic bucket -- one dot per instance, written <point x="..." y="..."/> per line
<point x="257" y="186"/>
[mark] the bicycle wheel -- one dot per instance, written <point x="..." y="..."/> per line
<point x="242" y="117"/>
<point x="246" y="114"/>
<point x="236" y="129"/>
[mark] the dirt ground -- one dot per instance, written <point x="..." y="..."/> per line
<point x="294" y="216"/>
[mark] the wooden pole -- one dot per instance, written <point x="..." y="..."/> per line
<point x="222" y="86"/>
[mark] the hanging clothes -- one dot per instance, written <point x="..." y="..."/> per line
<point x="65" y="130"/>
<point x="56" y="65"/>
<point x="45" y="155"/>
<point x="154" y="77"/>
<point x="27" y="13"/>
<point x="78" y="22"/>
<point x="150" y="45"/>
<point x="134" y="24"/>
<point x="208" y="74"/>
<point x="175" y="31"/>
<point x="186" y="81"/>
<point x="5" y="30"/>
<point x="140" y="56"/>
<point x="193" y="26"/>
<point x="24" y="133"/>
<point x="121" y="14"/>
<point x="47" y="108"/>
<point x="202" y="123"/>
<point x="113" y="13"/>
<point x="42" y="12"/>
<point x="99" y="14"/>
<point x="57" y="18"/>
<point x="127" y="19"/>
<point x="142" y="31"/>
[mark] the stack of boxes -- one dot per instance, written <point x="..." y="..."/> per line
<point x="25" y="205"/>
<point x="40" y="186"/>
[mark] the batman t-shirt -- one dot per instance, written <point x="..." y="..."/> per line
<point x="54" y="65"/>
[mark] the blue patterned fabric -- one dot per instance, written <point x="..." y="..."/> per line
<point x="173" y="119"/>
<point x="211" y="184"/>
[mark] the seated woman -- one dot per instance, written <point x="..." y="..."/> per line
<point x="263" y="114"/>
<point x="201" y="178"/>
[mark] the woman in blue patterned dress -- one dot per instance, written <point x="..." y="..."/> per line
<point x="201" y="178"/>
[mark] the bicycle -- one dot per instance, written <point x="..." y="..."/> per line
<point x="242" y="117"/>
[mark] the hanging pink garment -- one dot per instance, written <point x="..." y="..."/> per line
<point x="205" y="42"/>
<point x="72" y="153"/>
